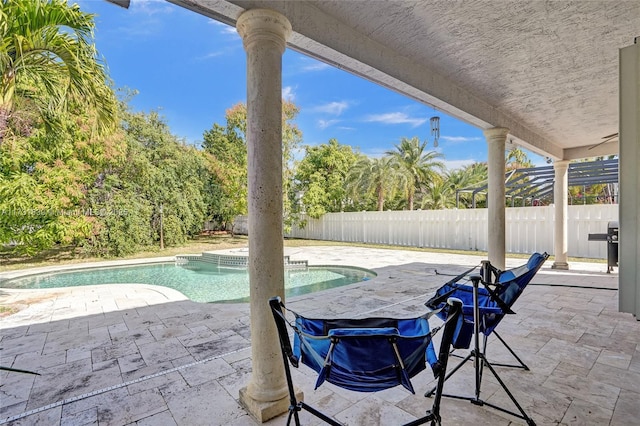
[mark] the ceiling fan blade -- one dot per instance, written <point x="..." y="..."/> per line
<point x="606" y="139"/>
<point x="601" y="143"/>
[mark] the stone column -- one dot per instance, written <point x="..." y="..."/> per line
<point x="496" y="140"/>
<point x="264" y="34"/>
<point x="629" y="208"/>
<point x="561" y="201"/>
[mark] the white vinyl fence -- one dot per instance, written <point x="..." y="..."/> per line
<point x="528" y="229"/>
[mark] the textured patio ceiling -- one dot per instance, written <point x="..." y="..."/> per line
<point x="547" y="70"/>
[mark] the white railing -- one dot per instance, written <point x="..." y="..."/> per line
<point x="528" y="229"/>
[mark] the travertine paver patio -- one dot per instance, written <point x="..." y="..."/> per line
<point x="144" y="355"/>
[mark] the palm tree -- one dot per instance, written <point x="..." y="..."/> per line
<point x="48" y="62"/>
<point x="416" y="165"/>
<point x="440" y="195"/>
<point x="470" y="176"/>
<point x="373" y="177"/>
<point x="517" y="158"/>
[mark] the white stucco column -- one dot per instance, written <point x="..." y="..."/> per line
<point x="629" y="209"/>
<point x="496" y="140"/>
<point x="561" y="201"/>
<point x="264" y="34"/>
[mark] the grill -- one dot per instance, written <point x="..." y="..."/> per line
<point x="611" y="237"/>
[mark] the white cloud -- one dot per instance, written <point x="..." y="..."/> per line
<point x="456" y="139"/>
<point x="288" y="94"/>
<point x="210" y="55"/>
<point x="229" y="47"/>
<point x="375" y="152"/>
<point x="395" y="118"/>
<point x="224" y="28"/>
<point x="323" y="124"/>
<point x="333" y="108"/>
<point x="150" y="7"/>
<point x="312" y="65"/>
<point x="316" y="66"/>
<point x="143" y="19"/>
<point x="228" y="29"/>
<point x="457" y="164"/>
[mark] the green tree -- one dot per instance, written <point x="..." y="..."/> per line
<point x="227" y="143"/>
<point x="468" y="177"/>
<point x="155" y="195"/>
<point x="440" y="196"/>
<point x="48" y="62"/>
<point x="517" y="158"/>
<point x="320" y="177"/>
<point x="291" y="140"/>
<point x="373" y="178"/>
<point x="44" y="179"/>
<point x="418" y="167"/>
<point x="227" y="148"/>
<point x="227" y="154"/>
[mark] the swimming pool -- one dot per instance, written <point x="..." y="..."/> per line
<point x="199" y="281"/>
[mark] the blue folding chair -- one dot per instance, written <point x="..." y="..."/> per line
<point x="483" y="309"/>
<point x="365" y="355"/>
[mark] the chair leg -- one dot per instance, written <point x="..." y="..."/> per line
<point x="319" y="414"/>
<point x="523" y="415"/>
<point x="476" y="400"/>
<point x="521" y="363"/>
<point x="455" y="312"/>
<point x="293" y="413"/>
<point x="430" y="417"/>
<point x="450" y="373"/>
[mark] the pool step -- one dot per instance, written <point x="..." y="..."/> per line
<point x="231" y="261"/>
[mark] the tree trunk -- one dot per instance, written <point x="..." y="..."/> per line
<point x="380" y="199"/>
<point x="4" y="122"/>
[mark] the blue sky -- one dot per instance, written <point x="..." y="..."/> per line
<point x="191" y="69"/>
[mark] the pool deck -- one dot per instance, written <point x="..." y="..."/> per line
<point x="145" y="355"/>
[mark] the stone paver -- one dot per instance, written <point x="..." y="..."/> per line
<point x="145" y="355"/>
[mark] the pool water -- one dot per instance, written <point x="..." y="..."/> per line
<point x="199" y="281"/>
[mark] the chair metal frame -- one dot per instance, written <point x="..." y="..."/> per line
<point x="491" y="278"/>
<point x="480" y="361"/>
<point x="490" y="275"/>
<point x="432" y="415"/>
